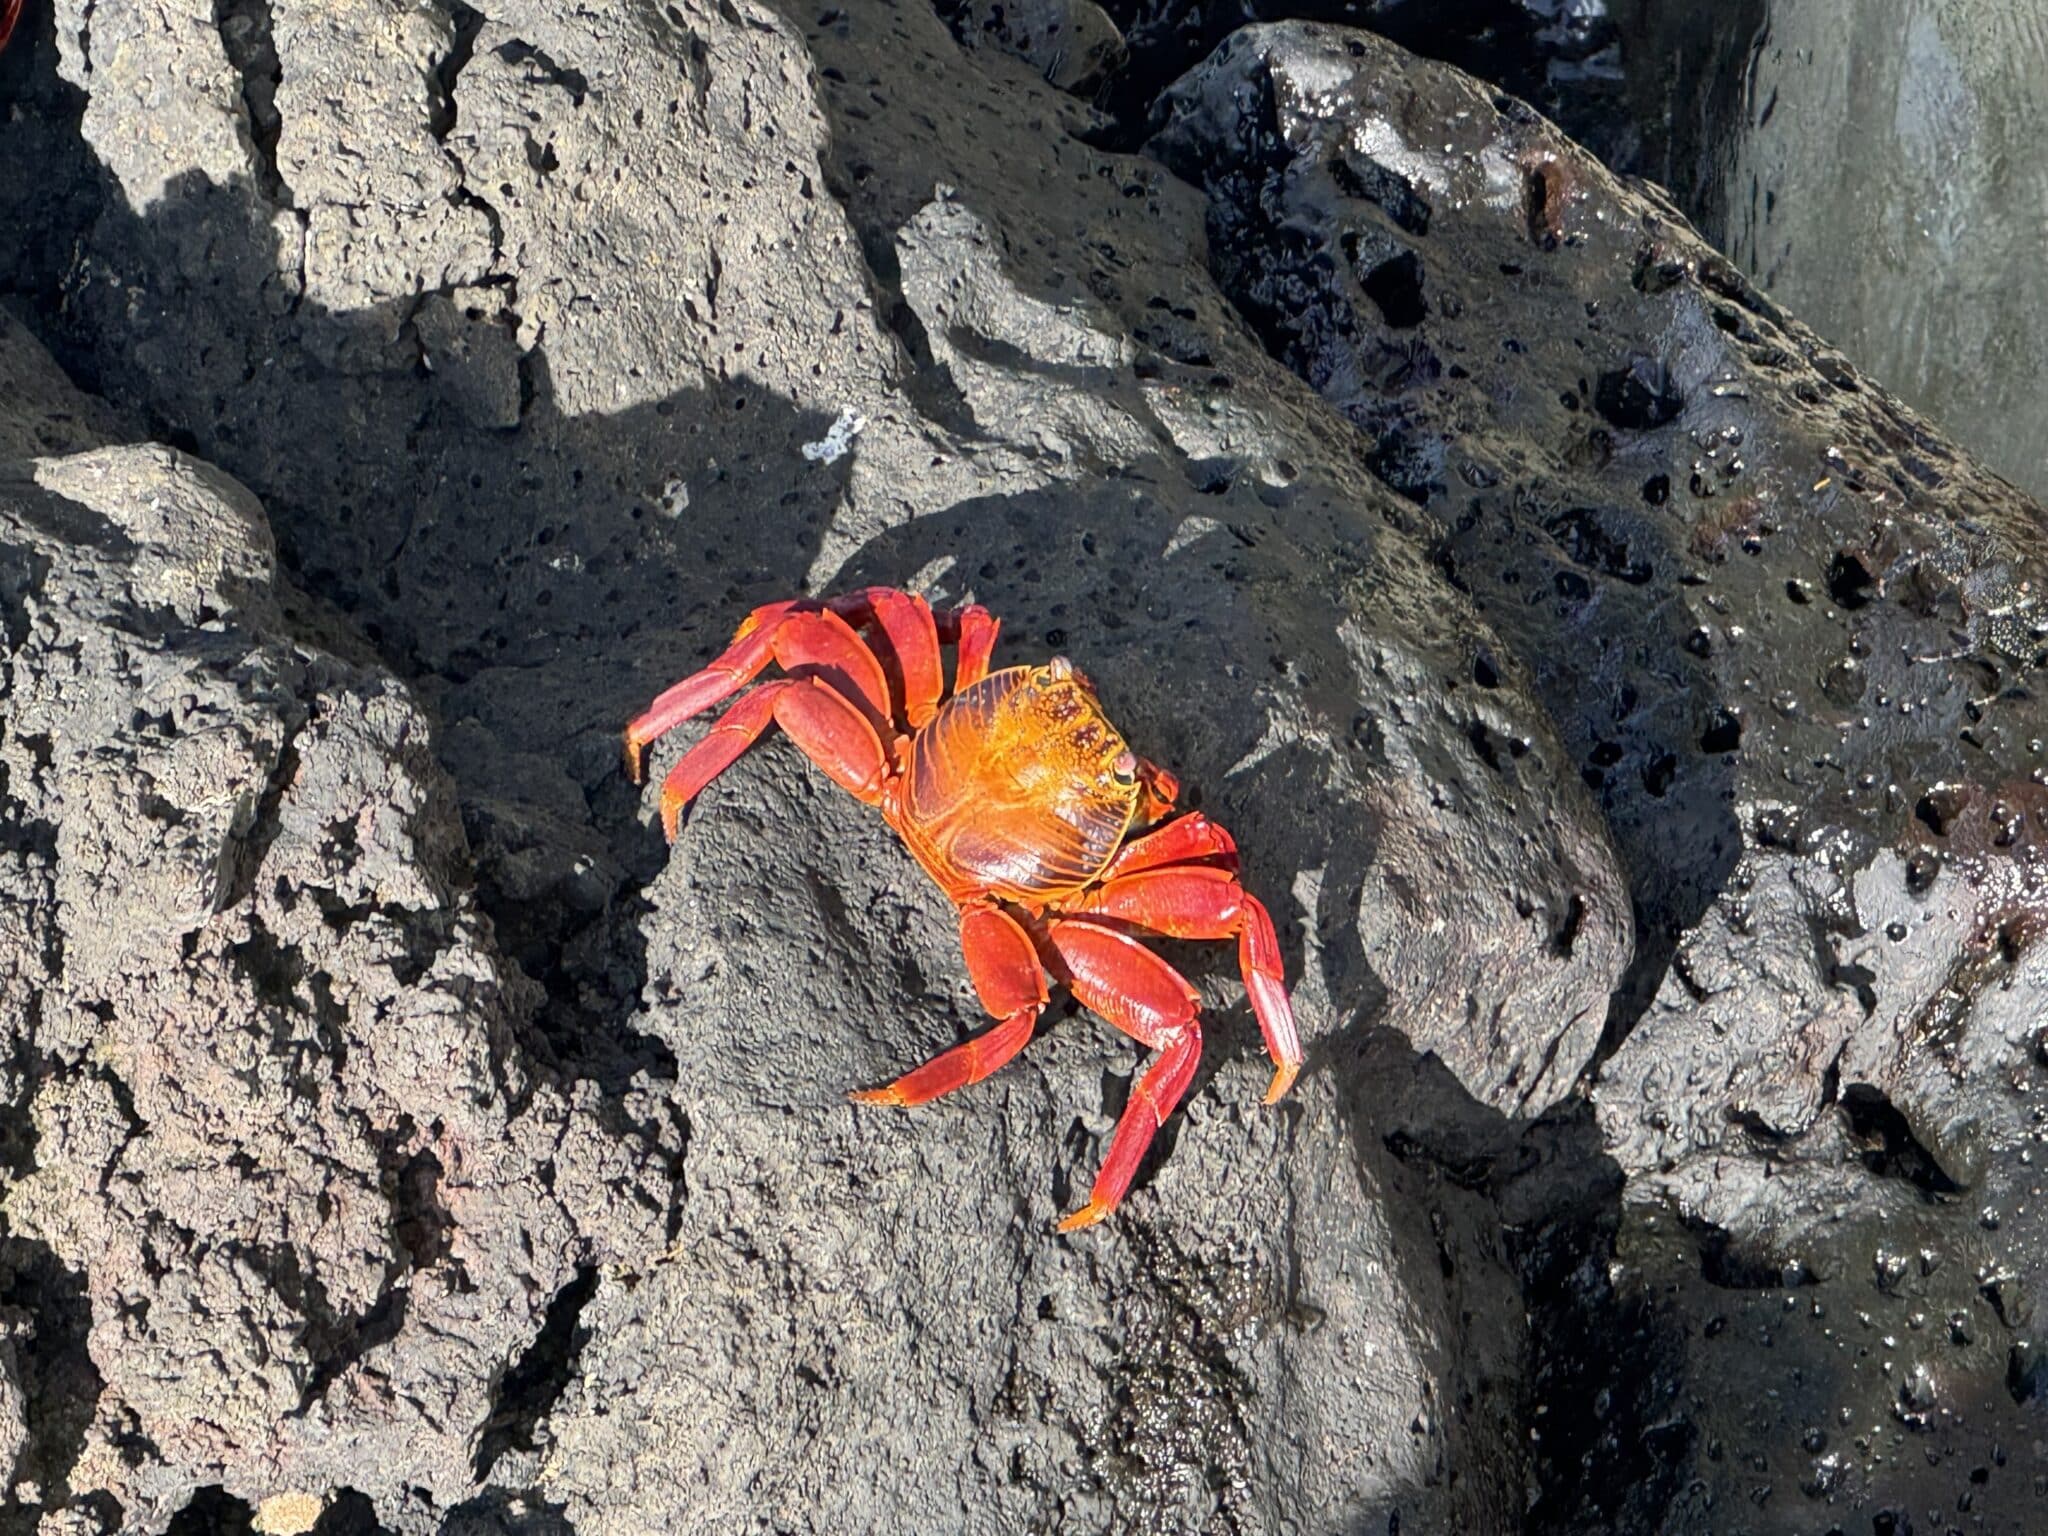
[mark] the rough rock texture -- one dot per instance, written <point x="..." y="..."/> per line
<point x="1565" y="54"/>
<point x="1789" y="635"/>
<point x="41" y="411"/>
<point x="546" y="474"/>
<point x="910" y="1249"/>
<point x="282" y="1135"/>
<point x="401" y="1136"/>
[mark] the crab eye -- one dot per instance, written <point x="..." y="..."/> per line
<point x="1125" y="769"/>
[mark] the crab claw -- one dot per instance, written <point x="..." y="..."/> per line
<point x="752" y="648"/>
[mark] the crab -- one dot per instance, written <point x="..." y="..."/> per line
<point x="1057" y="844"/>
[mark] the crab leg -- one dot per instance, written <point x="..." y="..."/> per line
<point x="913" y="651"/>
<point x="803" y="638"/>
<point x="830" y="730"/>
<point x="1011" y="985"/>
<point x="1150" y="1001"/>
<point x="741" y="662"/>
<point x="1181" y="841"/>
<point x="1154" y="1098"/>
<point x="1265" y="979"/>
<point x="822" y="644"/>
<point x="1197" y="901"/>
<point x="973" y="631"/>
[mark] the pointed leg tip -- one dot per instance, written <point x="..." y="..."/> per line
<point x="1087" y="1216"/>
<point x="633" y="756"/>
<point x="672" y="817"/>
<point x="1283" y="1079"/>
<point x="891" y="1095"/>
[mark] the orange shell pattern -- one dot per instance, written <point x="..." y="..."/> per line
<point x="1015" y="787"/>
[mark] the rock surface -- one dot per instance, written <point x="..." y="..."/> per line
<point x="402" y="1138"/>
<point x="280" y="1132"/>
<point x="1789" y="635"/>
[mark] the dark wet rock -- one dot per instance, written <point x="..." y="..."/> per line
<point x="1566" y="57"/>
<point x="1791" y="636"/>
<point x="1073" y="43"/>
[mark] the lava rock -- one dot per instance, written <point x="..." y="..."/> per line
<point x="41" y="411"/>
<point x="543" y="425"/>
<point x="1073" y="43"/>
<point x="1789" y="633"/>
<point x="1568" y="58"/>
<point x="288" y="1152"/>
<point x="1537" y="603"/>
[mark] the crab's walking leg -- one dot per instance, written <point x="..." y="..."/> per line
<point x="1185" y="840"/>
<point x="1265" y="979"/>
<point x="1149" y="1000"/>
<point x="1197" y="901"/>
<point x="823" y="644"/>
<point x="973" y="631"/>
<point x="832" y="732"/>
<point x="1007" y="977"/>
<point x="752" y="648"/>
<point x="913" y="662"/>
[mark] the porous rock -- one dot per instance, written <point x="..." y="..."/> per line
<point x="546" y="474"/>
<point x="284" y="1139"/>
<point x="1789" y="633"/>
<point x="1439" y="508"/>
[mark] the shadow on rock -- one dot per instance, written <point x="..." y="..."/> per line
<point x="46" y="1375"/>
<point x="535" y="577"/>
<point x="1277" y="665"/>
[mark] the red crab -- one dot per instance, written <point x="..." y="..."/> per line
<point x="10" y="13"/>
<point x="1026" y="807"/>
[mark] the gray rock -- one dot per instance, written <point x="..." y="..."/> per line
<point x="401" y="1132"/>
<point x="906" y="1257"/>
<point x="41" y="411"/>
<point x="600" y="466"/>
<point x="284" y="1128"/>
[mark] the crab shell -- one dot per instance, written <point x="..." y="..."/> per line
<point x="1019" y="788"/>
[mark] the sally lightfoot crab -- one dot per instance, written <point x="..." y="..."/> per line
<point x="1026" y="807"/>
